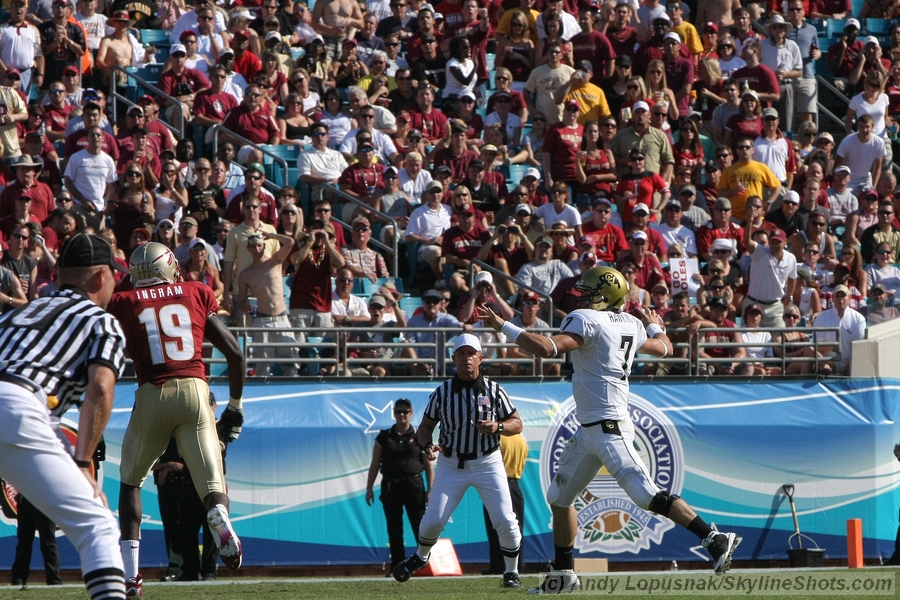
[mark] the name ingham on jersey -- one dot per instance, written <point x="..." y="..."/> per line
<point x="51" y="341"/>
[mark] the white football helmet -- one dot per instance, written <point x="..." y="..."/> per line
<point x="153" y="264"/>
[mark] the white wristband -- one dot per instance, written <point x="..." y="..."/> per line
<point x="511" y="331"/>
<point x="555" y="349"/>
<point x="653" y="329"/>
<point x="235" y="403"/>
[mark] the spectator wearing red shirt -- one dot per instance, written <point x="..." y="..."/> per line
<point x="253" y="190"/>
<point x="720" y="226"/>
<point x="457" y="155"/>
<point x="638" y="187"/>
<point x="245" y="62"/>
<point x="213" y="104"/>
<point x="26" y="171"/>
<point x="311" y="295"/>
<point x="141" y="154"/>
<point x="622" y="36"/>
<point x="718" y="312"/>
<point x="641" y="222"/>
<point x="181" y="83"/>
<point x="562" y="143"/>
<point x="135" y="119"/>
<point x="507" y="250"/>
<point x="460" y="245"/>
<point x="653" y="48"/>
<point x="828" y="9"/>
<point x="364" y="177"/>
<point x="253" y="122"/>
<point x="78" y="140"/>
<point x="608" y="239"/>
<point x="648" y="270"/>
<point x="159" y="134"/>
<point x="475" y="26"/>
<point x="757" y="76"/>
<point x="56" y="113"/>
<point x="593" y="46"/>
<point x="679" y="72"/>
<point x="426" y="118"/>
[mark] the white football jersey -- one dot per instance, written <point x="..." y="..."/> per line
<point x="603" y="363"/>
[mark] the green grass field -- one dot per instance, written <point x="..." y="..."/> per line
<point x="467" y="587"/>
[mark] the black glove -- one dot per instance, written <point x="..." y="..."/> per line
<point x="231" y="422"/>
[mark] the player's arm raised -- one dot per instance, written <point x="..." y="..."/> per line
<point x="658" y="343"/>
<point x="539" y="345"/>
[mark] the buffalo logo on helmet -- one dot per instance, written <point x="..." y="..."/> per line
<point x="603" y="288"/>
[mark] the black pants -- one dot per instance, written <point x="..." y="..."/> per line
<point x="29" y="518"/>
<point x="498" y="565"/>
<point x="168" y="495"/>
<point x="395" y="495"/>
<point x="191" y="517"/>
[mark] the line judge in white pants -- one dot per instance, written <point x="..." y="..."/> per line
<point x="473" y="412"/>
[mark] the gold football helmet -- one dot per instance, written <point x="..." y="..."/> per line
<point x="153" y="264"/>
<point x="602" y="288"/>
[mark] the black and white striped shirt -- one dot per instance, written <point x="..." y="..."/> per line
<point x="51" y="341"/>
<point x="458" y="405"/>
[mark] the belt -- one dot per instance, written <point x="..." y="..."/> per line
<point x="19" y="381"/>
<point x="752" y="299"/>
<point x="609" y="426"/>
<point x="464" y="456"/>
<point x="260" y="315"/>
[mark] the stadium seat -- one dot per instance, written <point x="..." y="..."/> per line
<point x="409" y="304"/>
<point x="155" y="37"/>
<point x="274" y="172"/>
<point x="879" y="27"/>
<point x="836" y="26"/>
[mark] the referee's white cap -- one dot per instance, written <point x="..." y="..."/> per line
<point x="467" y="339"/>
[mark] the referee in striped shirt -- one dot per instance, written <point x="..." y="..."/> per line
<point x="51" y="351"/>
<point x="473" y="412"/>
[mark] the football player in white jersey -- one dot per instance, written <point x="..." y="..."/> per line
<point x="603" y="343"/>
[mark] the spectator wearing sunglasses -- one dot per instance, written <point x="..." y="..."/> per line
<point x="361" y="260"/>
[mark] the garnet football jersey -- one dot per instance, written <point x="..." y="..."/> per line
<point x="164" y="328"/>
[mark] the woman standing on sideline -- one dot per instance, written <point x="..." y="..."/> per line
<point x="400" y="458"/>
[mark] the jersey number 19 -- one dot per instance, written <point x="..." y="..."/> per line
<point x="174" y="321"/>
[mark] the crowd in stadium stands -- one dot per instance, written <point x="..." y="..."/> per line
<point x="540" y="137"/>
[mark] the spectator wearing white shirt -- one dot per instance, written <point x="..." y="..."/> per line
<point x="90" y="175"/>
<point x="191" y="20"/>
<point x="320" y="165"/>
<point x="752" y="318"/>
<point x="773" y="274"/>
<point x="852" y="326"/>
<point x="347" y="309"/>
<point x="773" y="150"/>
<point x="427" y="225"/>
<point x="413" y="178"/>
<point x="841" y="201"/>
<point x="673" y="231"/>
<point x="864" y="153"/>
<point x="559" y="209"/>
<point x="882" y="271"/>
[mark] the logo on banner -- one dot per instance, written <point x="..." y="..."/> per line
<point x="608" y="521"/>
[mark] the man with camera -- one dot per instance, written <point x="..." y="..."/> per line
<point x="507" y="250"/>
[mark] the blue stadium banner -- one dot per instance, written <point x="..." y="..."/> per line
<point x="297" y="475"/>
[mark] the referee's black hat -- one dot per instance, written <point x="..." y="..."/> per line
<point x="88" y="250"/>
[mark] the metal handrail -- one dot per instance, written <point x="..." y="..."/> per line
<point x="115" y="95"/>
<point x="275" y="158"/>
<point x="377" y="243"/>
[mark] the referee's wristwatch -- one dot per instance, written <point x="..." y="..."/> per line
<point x="500" y="428"/>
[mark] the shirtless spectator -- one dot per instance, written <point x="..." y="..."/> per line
<point x="335" y="21"/>
<point x="716" y="11"/>
<point x="117" y="49"/>
<point x="262" y="280"/>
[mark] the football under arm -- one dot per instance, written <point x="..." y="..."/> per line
<point x="227" y="344"/>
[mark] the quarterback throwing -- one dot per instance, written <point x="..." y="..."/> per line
<point x="603" y="343"/>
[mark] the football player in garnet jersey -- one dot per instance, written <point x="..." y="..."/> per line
<point x="165" y="321"/>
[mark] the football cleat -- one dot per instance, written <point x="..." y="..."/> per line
<point x="511" y="581"/>
<point x="405" y="570"/>
<point x="134" y="587"/>
<point x="721" y="546"/>
<point x="229" y="544"/>
<point x="558" y="582"/>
